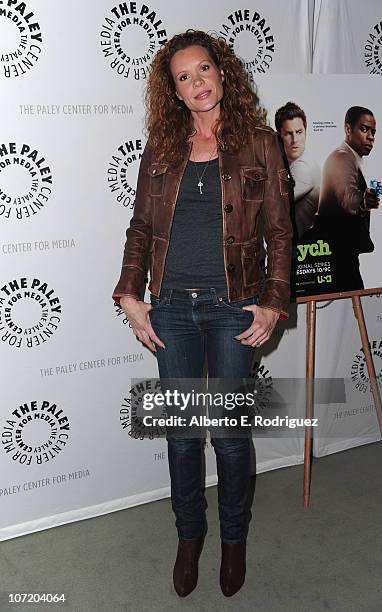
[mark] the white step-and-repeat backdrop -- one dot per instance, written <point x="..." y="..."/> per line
<point x="72" y="77"/>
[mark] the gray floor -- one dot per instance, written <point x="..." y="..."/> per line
<point x="328" y="557"/>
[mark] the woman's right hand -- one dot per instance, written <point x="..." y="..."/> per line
<point x="138" y="314"/>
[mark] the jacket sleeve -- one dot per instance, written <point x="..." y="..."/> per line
<point x="138" y="238"/>
<point x="277" y="231"/>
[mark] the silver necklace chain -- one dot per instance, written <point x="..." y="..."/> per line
<point x="200" y="176"/>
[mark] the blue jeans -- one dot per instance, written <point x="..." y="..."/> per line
<point x="196" y="325"/>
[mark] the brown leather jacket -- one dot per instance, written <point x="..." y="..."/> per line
<point x="255" y="185"/>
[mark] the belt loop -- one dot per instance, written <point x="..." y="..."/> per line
<point x="164" y="296"/>
<point x="168" y="296"/>
<point x="214" y="294"/>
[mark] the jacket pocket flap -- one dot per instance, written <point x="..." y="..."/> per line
<point x="157" y="169"/>
<point x="249" y="250"/>
<point x="284" y="181"/>
<point x="255" y="174"/>
<point x="284" y="174"/>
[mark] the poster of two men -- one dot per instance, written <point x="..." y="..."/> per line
<point x="335" y="190"/>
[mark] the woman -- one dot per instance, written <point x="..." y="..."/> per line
<point x="210" y="171"/>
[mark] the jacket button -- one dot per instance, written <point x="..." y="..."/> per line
<point x="230" y="268"/>
<point x="230" y="239"/>
<point x="226" y="177"/>
<point x="228" y="208"/>
<point x="154" y="170"/>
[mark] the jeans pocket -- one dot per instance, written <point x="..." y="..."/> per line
<point x="238" y="306"/>
<point x="156" y="302"/>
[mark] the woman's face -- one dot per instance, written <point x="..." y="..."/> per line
<point x="198" y="81"/>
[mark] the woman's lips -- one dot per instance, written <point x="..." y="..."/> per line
<point x="203" y="95"/>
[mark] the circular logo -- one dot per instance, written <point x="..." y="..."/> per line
<point x="359" y="374"/>
<point x="122" y="172"/>
<point x="25" y="181"/>
<point x="30" y="312"/>
<point x="20" y="39"/>
<point x="130" y="36"/>
<point x="372" y="50"/>
<point x="35" y="433"/>
<point x="133" y="411"/>
<point x="250" y="36"/>
<point x="263" y="387"/>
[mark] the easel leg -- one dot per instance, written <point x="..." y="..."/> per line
<point x="358" y="311"/>
<point x="310" y="352"/>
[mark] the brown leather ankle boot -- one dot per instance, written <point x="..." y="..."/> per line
<point x="232" y="568"/>
<point x="186" y="565"/>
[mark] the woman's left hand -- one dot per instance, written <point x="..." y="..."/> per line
<point x="262" y="327"/>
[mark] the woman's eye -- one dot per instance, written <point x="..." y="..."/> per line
<point x="183" y="77"/>
<point x="205" y="67"/>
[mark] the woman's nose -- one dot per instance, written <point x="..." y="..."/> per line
<point x="198" y="81"/>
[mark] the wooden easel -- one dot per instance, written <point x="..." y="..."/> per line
<point x="310" y="362"/>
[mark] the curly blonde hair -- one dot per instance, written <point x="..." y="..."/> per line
<point x="168" y="121"/>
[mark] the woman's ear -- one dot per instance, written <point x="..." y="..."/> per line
<point x="222" y="73"/>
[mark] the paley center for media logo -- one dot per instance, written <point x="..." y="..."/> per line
<point x="35" y="433"/>
<point x="132" y="411"/>
<point x="122" y="172"/>
<point x="263" y="385"/>
<point x="25" y="181"/>
<point x="359" y="374"/>
<point x="130" y="36"/>
<point x="373" y="50"/>
<point x="30" y="312"/>
<point x="21" y="39"/>
<point x="249" y="35"/>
